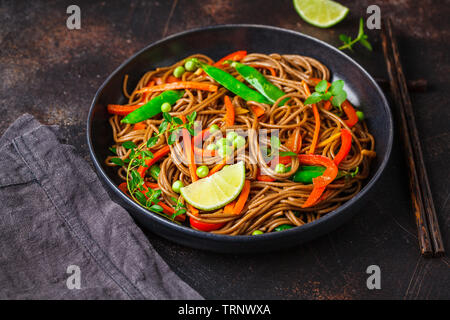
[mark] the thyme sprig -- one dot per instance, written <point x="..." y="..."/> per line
<point x="361" y="38"/>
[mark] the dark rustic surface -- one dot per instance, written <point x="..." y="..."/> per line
<point x="53" y="73"/>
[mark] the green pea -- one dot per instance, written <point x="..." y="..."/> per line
<point x="256" y="232"/>
<point x="166" y="107"/>
<point x="154" y="171"/>
<point x="190" y="65"/>
<point x="224" y="151"/>
<point x="231" y="136"/>
<point x="177" y="185"/>
<point x="211" y="147"/>
<point x="283" y="227"/>
<point x="280" y="168"/>
<point x="239" y="142"/>
<point x="360" y="115"/>
<point x="213" y="128"/>
<point x="222" y="142"/>
<point x="178" y="72"/>
<point x="202" y="171"/>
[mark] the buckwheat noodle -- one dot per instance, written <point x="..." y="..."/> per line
<point x="270" y="204"/>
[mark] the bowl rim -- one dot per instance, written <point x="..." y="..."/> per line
<point x="241" y="238"/>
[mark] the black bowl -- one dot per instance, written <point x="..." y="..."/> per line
<point x="216" y="42"/>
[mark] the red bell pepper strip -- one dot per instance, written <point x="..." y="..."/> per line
<point x="156" y="156"/>
<point x="203" y="226"/>
<point x="346" y="145"/>
<point x="319" y="183"/>
<point x="152" y="185"/>
<point x="123" y="110"/>
<point x="330" y="172"/>
<point x="350" y="112"/>
<point x="235" y="56"/>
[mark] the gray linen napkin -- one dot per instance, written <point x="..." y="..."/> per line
<point x="61" y="236"/>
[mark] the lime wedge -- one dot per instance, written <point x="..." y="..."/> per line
<point x="217" y="190"/>
<point x="320" y="13"/>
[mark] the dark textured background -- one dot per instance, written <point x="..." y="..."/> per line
<point x="53" y="73"/>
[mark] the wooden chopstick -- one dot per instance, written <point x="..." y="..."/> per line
<point x="430" y="239"/>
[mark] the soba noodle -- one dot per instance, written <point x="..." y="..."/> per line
<point x="270" y="204"/>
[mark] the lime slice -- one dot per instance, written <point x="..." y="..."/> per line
<point x="320" y="13"/>
<point x="216" y="191"/>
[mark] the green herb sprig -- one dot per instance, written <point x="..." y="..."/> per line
<point x="335" y="91"/>
<point x="361" y="38"/>
<point x="147" y="197"/>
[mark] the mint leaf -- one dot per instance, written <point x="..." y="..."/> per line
<point x="322" y="86"/>
<point x="326" y="96"/>
<point x="313" y="98"/>
<point x="339" y="98"/>
<point x="336" y="87"/>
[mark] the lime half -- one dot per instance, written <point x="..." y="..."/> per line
<point x="217" y="190"/>
<point x="320" y="13"/>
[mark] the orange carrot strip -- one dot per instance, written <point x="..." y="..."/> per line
<point x="152" y="185"/>
<point x="140" y="126"/>
<point x="156" y="156"/>
<point x="190" y="154"/>
<point x="272" y="70"/>
<point x="181" y="85"/>
<point x="291" y="141"/>
<point x="229" y="116"/>
<point x="169" y="79"/>
<point x="229" y="207"/>
<point x="217" y="167"/>
<point x="240" y="203"/>
<point x="258" y="111"/>
<point x="265" y="178"/>
<point x="316" y="118"/>
<point x="193" y="210"/>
